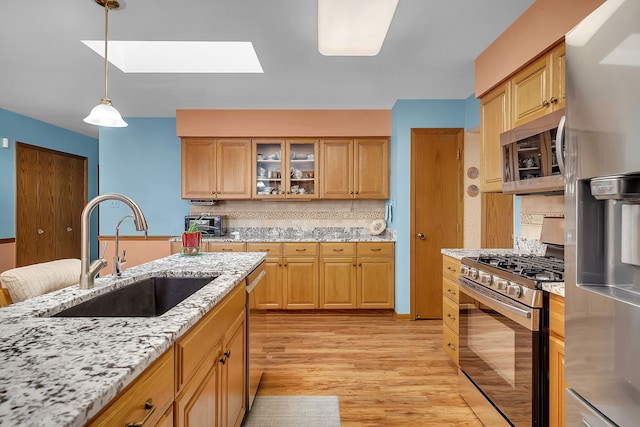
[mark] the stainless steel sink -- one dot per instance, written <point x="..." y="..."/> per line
<point x="150" y="297"/>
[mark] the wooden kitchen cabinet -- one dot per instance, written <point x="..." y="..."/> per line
<point x="216" y="168"/>
<point x="557" y="385"/>
<point x="539" y="88"/>
<point x="354" y="168"/>
<point x="375" y="275"/>
<point x="269" y="296"/>
<point x="150" y="395"/>
<point x="450" y="307"/>
<point x="224" y="247"/>
<point x="233" y="362"/>
<point x="495" y="118"/>
<point x="338" y="278"/>
<point x="300" y="283"/>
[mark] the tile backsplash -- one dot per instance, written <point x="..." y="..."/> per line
<point x="533" y="209"/>
<point x="313" y="213"/>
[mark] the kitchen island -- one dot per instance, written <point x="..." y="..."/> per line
<point x="63" y="371"/>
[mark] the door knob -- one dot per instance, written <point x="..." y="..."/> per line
<point x="40" y="231"/>
<point x="421" y="236"/>
<point x="69" y="229"/>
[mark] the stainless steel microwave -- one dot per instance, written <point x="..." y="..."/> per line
<point x="533" y="156"/>
<point x="215" y="225"/>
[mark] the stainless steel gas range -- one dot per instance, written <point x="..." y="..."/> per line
<point x="503" y="362"/>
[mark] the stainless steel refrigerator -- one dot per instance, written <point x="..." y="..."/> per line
<point x="602" y="223"/>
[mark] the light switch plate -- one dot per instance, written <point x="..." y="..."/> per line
<point x="5" y="142"/>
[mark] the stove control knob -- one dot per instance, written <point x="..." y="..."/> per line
<point x="464" y="270"/>
<point x="485" y="279"/>
<point x="473" y="273"/>
<point x="514" y="290"/>
<point x="502" y="285"/>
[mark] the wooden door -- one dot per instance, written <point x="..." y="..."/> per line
<point x="336" y="166"/>
<point x="375" y="283"/>
<point x="495" y="118"/>
<point x="300" y="283"/>
<point x="234" y="373"/>
<point x="371" y="180"/>
<point x="198" y="168"/>
<point x="233" y="169"/>
<point x="50" y="195"/>
<point x="437" y="212"/>
<point x="337" y="283"/>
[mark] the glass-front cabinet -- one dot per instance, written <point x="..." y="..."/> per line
<point x="285" y="168"/>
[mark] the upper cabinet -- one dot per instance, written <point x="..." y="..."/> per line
<point x="285" y="168"/>
<point x="354" y="168"/>
<point x="216" y="168"/>
<point x="539" y="88"/>
<point x="494" y="119"/>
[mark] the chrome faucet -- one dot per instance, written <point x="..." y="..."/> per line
<point x="88" y="271"/>
<point x="117" y="261"/>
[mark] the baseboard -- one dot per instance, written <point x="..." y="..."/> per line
<point x="402" y="316"/>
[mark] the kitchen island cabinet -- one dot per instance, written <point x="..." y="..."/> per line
<point x="557" y="385"/>
<point x="83" y="370"/>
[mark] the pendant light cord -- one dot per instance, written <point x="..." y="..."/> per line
<point x="106" y="35"/>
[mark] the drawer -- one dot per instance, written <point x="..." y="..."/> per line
<point x="226" y="247"/>
<point x="300" y="249"/>
<point x="194" y="347"/>
<point x="450" y="290"/>
<point x="155" y="384"/>
<point x="450" y="315"/>
<point x="371" y="249"/>
<point x="450" y="344"/>
<point x="337" y="249"/>
<point x="450" y="267"/>
<point x="273" y="250"/>
<point x="556" y="314"/>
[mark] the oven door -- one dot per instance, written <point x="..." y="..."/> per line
<point x="501" y="352"/>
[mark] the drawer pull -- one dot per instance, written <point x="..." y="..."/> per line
<point x="451" y="317"/>
<point x="338" y="250"/>
<point x="264" y="250"/>
<point x="148" y="406"/>
<point x="300" y="250"/>
<point x="226" y="250"/>
<point x="376" y="249"/>
<point x="451" y="291"/>
<point x="451" y="269"/>
<point x="451" y="346"/>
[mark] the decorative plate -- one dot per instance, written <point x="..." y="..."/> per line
<point x="472" y="172"/>
<point x="377" y="227"/>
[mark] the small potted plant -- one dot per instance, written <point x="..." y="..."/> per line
<point x="191" y="240"/>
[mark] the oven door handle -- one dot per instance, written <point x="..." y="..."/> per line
<point x="521" y="316"/>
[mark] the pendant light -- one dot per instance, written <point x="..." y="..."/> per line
<point x="105" y="114"/>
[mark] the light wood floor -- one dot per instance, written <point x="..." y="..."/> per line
<point x="386" y="372"/>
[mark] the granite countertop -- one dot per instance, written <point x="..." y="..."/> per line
<point x="300" y="234"/>
<point x="62" y="371"/>
<point x="551" y="287"/>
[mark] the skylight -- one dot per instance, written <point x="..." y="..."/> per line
<point x="180" y="56"/>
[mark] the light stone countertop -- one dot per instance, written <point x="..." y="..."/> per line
<point x="300" y="234"/>
<point x="551" y="287"/>
<point x="62" y="371"/>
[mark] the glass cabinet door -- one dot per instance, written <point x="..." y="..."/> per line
<point x="303" y="171"/>
<point x="529" y="158"/>
<point x="270" y="169"/>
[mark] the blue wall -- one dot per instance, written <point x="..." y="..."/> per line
<point x="142" y="161"/>
<point x="34" y="132"/>
<point x="405" y="115"/>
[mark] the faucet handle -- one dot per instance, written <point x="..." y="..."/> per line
<point x="123" y="260"/>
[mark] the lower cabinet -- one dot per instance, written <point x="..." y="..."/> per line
<point x="200" y="381"/>
<point x="450" y="307"/>
<point x="338" y="275"/>
<point x="269" y="296"/>
<point x="300" y="284"/>
<point x="557" y="385"/>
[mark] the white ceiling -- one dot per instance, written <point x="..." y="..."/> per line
<point x="47" y="73"/>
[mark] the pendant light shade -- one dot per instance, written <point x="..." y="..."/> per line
<point x="105" y="114"/>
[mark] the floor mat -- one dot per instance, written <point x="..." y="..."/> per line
<point x="294" y="411"/>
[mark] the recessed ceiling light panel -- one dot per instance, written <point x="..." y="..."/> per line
<point x="353" y="27"/>
<point x="180" y="56"/>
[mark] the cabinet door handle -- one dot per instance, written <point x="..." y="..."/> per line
<point x="360" y="265"/>
<point x="553" y="100"/>
<point x="451" y="291"/>
<point x="285" y="264"/>
<point x="223" y="360"/>
<point x="451" y="269"/>
<point x="354" y="264"/>
<point x="227" y="353"/>
<point x="452" y="347"/>
<point x="351" y="192"/>
<point x="545" y="103"/>
<point x="357" y="192"/>
<point x="450" y="316"/>
<point x="148" y="406"/>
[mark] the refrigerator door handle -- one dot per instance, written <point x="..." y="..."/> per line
<point x="560" y="144"/>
